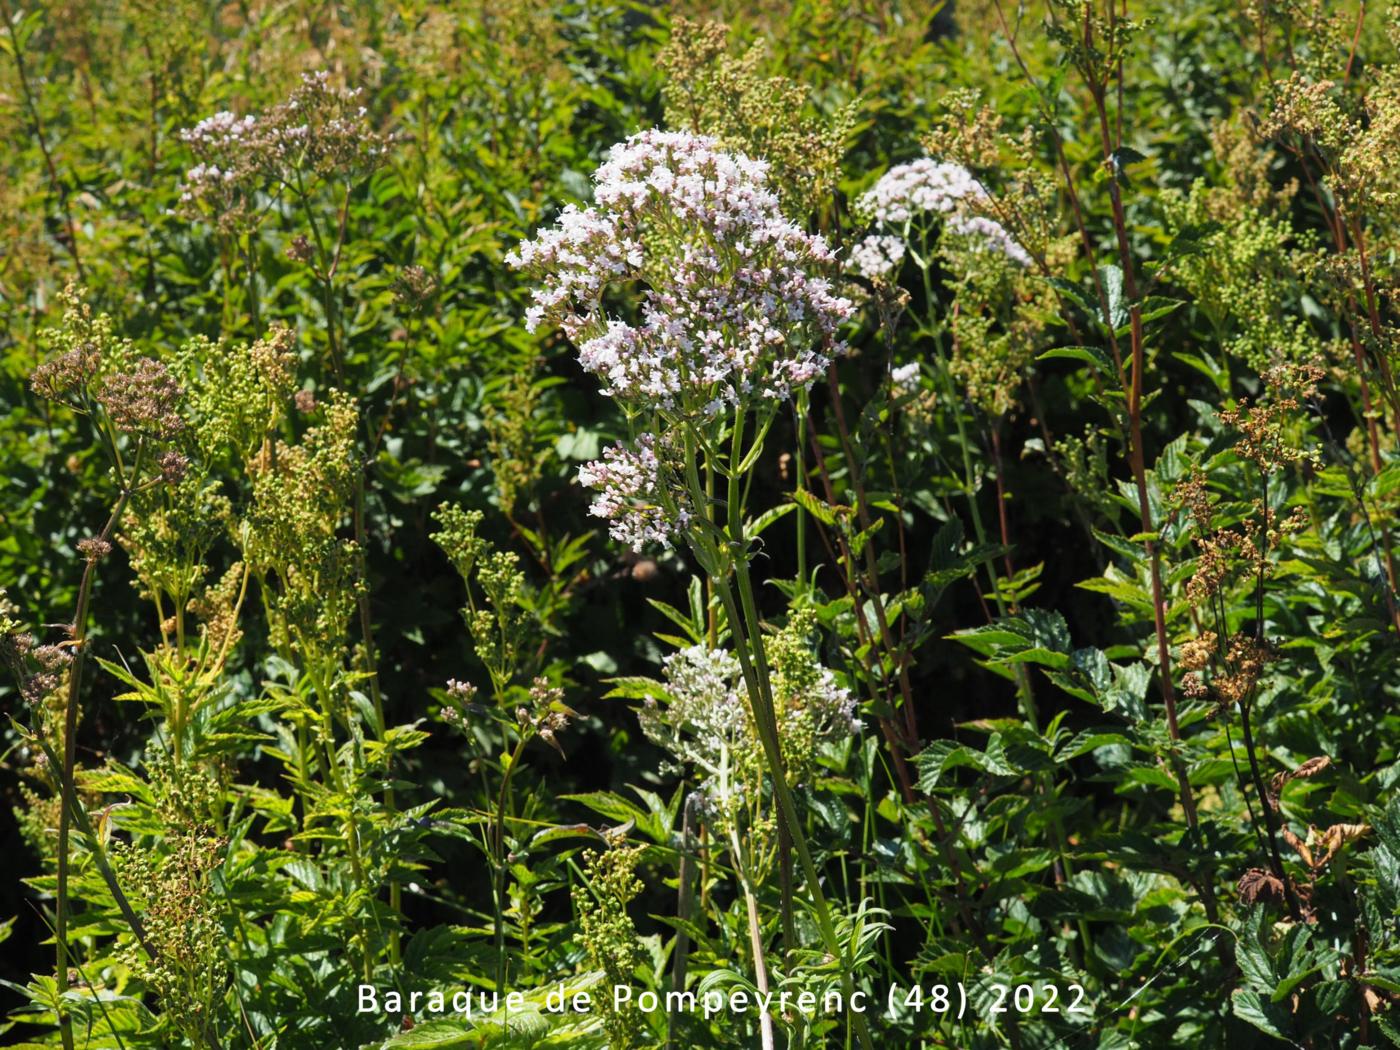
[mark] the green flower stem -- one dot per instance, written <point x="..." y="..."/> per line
<point x="761" y="699"/>
<point x="67" y="786"/>
<point x="498" y="849"/>
<point x="896" y="749"/>
<point x="324" y="272"/>
<point x="685" y="906"/>
<point x="753" y="662"/>
<point x="334" y="776"/>
<point x="800" y="479"/>
<point x="371" y="669"/>
<point x="1025" y="695"/>
<point x="739" y="467"/>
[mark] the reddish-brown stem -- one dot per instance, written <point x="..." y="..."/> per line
<point x="1001" y="500"/>
<point x="887" y="728"/>
<point x="871" y="564"/>
<point x="1137" y="458"/>
<point x="897" y="746"/>
<point x="1355" y="38"/>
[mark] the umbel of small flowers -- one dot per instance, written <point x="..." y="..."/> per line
<point x="735" y="301"/>
<point x="633" y="494"/>
<point x="735" y="306"/>
<point x="93" y="372"/>
<point x="704" y="721"/>
<point x="908" y="199"/>
<point x="699" y="716"/>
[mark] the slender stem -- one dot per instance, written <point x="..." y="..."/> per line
<point x="1136" y="451"/>
<point x="748" y="644"/>
<point x="994" y="426"/>
<point x="1244" y="793"/>
<point x="765" y="1020"/>
<point x="371" y="669"/>
<point x="251" y="270"/>
<point x="1274" y="856"/>
<point x="70" y="750"/>
<point x="499" y="856"/>
<point x="757" y="689"/>
<point x="685" y="898"/>
<point x="800" y="467"/>
<point x="735" y="493"/>
<point x="1024" y="694"/>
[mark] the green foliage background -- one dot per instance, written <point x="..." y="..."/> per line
<point x="303" y="803"/>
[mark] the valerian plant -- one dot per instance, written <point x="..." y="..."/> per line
<point x="535" y="524"/>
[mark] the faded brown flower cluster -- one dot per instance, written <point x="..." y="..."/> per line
<point x="144" y="400"/>
<point x="1238" y="667"/>
<point x="1225" y="552"/>
<point x="320" y="133"/>
<point x="1265" y="429"/>
<point x="92" y="371"/>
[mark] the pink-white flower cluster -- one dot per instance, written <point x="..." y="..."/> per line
<point x="988" y="234"/>
<point x="222" y="131"/>
<point x="923" y="185"/>
<point x="632" y="494"/>
<point x="320" y="131"/>
<point x="706" y="711"/>
<point x="830" y="706"/>
<point x="223" y="141"/>
<point x="905" y="378"/>
<point x="926" y="186"/>
<point x="734" y="301"/>
<point x="877" y="256"/>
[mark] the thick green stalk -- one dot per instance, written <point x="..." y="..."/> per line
<point x="762" y="699"/>
<point x="747" y="639"/>
<point x="735" y="519"/>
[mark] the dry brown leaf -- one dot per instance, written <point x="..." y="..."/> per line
<point x="1259" y="885"/>
<point x="1311" y="767"/>
<point x="1338" y="835"/>
<point x="1299" y="847"/>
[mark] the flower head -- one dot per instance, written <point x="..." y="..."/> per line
<point x="905" y="378"/>
<point x="321" y="130"/>
<point x="988" y="235"/>
<point x="923" y="187"/>
<point x="736" y="302"/>
<point x="633" y="494"/>
<point x="877" y="256"/>
<point x="707" y="718"/>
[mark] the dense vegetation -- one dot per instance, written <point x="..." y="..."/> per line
<point x="883" y="519"/>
